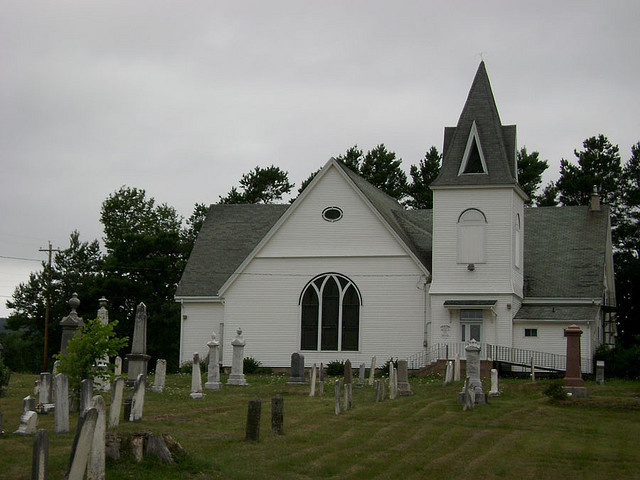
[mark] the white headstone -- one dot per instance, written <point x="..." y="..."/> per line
<point x="237" y="363"/>
<point x="40" y="457"/>
<point x="361" y="374"/>
<point x="137" y="402"/>
<point x="372" y="370"/>
<point x="312" y="391"/>
<point x="456" y="368"/>
<point x="196" y="378"/>
<point x="86" y="394"/>
<point x="28" y="423"/>
<point x="61" y="412"/>
<point x="95" y="467"/>
<point x="160" y="375"/>
<point x="494" y="392"/>
<point x="448" y="374"/>
<point x="116" y="401"/>
<point x="82" y="444"/>
<point x="118" y="364"/>
<point x="213" y="369"/>
<point x="45" y="388"/>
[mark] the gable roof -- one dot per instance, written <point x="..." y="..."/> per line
<point x="497" y="142"/>
<point x="565" y="250"/>
<point x="228" y="234"/>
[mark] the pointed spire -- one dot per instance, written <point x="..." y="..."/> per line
<point x="479" y="127"/>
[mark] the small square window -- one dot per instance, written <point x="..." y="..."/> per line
<point x="530" y="332"/>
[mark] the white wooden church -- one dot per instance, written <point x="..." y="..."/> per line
<point x="346" y="272"/>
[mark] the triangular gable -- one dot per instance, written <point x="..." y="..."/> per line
<point x="473" y="161"/>
<point x="374" y="199"/>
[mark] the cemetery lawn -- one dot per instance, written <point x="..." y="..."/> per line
<point x="519" y="435"/>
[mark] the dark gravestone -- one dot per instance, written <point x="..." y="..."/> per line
<point x="297" y="369"/>
<point x="348" y="372"/>
<point x="253" y="420"/>
<point x="86" y="394"/>
<point x="40" y="457"/>
<point x="127" y="407"/>
<point x="277" y="415"/>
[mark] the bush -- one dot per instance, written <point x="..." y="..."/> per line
<point x="5" y="375"/>
<point x="555" y="391"/>
<point x="251" y="365"/>
<point x="620" y="362"/>
<point x="335" y="368"/>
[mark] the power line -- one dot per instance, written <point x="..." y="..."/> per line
<point x="22" y="258"/>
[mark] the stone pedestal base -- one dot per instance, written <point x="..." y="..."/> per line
<point x="404" y="389"/>
<point x="480" y="398"/>
<point x="196" y="395"/>
<point x="296" y="381"/>
<point x="494" y="394"/>
<point x="237" y="379"/>
<point x="157" y="389"/>
<point x="213" y="386"/>
<point x="137" y="365"/>
<point x="577" y="392"/>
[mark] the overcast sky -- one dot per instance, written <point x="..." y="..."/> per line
<point x="182" y="98"/>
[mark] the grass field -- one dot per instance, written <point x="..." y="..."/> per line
<point x="519" y="435"/>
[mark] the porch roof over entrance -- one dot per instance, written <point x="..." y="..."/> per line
<point x="469" y="303"/>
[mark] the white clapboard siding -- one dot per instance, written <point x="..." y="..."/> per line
<point x="306" y="233"/>
<point x="202" y="318"/>
<point x="264" y="301"/>
<point x="496" y="273"/>
<point x="551" y="338"/>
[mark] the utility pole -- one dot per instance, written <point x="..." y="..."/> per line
<point x="50" y="250"/>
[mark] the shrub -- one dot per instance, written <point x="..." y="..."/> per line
<point x="555" y="391"/>
<point x="5" y="375"/>
<point x="384" y="368"/>
<point x="335" y="368"/>
<point x="251" y="365"/>
<point x="621" y="361"/>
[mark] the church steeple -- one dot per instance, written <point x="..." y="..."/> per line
<point x="479" y="150"/>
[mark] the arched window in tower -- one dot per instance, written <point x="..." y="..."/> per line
<point x="471" y="236"/>
<point x="330" y="314"/>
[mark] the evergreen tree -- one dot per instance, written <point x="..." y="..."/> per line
<point x="260" y="185"/>
<point x="419" y="193"/>
<point x="381" y="168"/>
<point x="530" y="170"/>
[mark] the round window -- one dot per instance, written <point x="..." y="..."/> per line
<point x="332" y="214"/>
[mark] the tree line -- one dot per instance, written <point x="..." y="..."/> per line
<point x="147" y="244"/>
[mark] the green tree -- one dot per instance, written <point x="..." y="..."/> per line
<point x="381" y="168"/>
<point x="548" y="197"/>
<point x="260" y="185"/>
<point x="194" y="223"/>
<point x="419" y="193"/>
<point x="352" y="158"/>
<point x="92" y="343"/>
<point x="147" y="250"/>
<point x="599" y="165"/>
<point x="530" y="170"/>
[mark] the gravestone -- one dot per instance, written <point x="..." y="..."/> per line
<point x="448" y="373"/>
<point x="86" y="394"/>
<point x="213" y="369"/>
<point x="337" y="397"/>
<point x="28" y="404"/>
<point x="237" y="363"/>
<point x="28" y="423"/>
<point x="468" y="395"/>
<point x="456" y="368"/>
<point x="392" y="382"/>
<point x="118" y="364"/>
<point x="321" y="381"/>
<point x="116" y="402"/>
<point x="82" y="444"/>
<point x="96" y="463"/>
<point x="40" y="456"/>
<point x="253" y="420"/>
<point x="372" y="370"/>
<point x="494" y="392"/>
<point x="361" y="375"/>
<point x="277" y="415"/>
<point x="36" y="389"/>
<point x="160" y="375"/>
<point x="473" y="374"/>
<point x="137" y="400"/>
<point x="600" y="372"/>
<point x="378" y="391"/>
<point x="138" y="358"/>
<point x="61" y="412"/>
<point x="70" y="324"/>
<point x="312" y="390"/>
<point x="297" y="370"/>
<point x="56" y="367"/>
<point x="573" y="382"/>
<point x="404" y="388"/>
<point x="533" y="370"/>
<point x="348" y="372"/>
<point x="45" y="388"/>
<point x="102" y="383"/>
<point x="196" y="378"/>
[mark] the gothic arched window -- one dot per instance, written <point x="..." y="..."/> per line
<point x="471" y="236"/>
<point x="330" y="314"/>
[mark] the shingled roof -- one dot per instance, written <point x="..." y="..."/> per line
<point x="565" y="252"/>
<point x="227" y="236"/>
<point x="498" y="142"/>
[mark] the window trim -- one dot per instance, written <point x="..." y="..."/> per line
<point x="343" y="288"/>
<point x="531" y="332"/>
<point x="466" y="231"/>
<point x="473" y="136"/>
